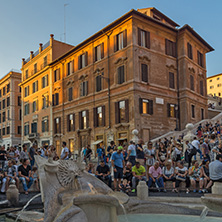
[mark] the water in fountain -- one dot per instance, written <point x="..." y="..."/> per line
<point x="37" y="195"/>
<point x="124" y="211"/>
<point x="204" y="213"/>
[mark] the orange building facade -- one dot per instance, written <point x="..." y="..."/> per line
<point x="10" y="109"/>
<point x="140" y="72"/>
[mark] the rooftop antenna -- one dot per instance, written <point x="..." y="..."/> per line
<point x="65" y="22"/>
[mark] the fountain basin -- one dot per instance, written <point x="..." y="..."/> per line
<point x="98" y="207"/>
<point x="212" y="201"/>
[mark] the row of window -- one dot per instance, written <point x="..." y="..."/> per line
<point x="5" y="131"/>
<point x="200" y="59"/>
<point x="5" y="103"/>
<point x="34" y="126"/>
<point x="4" y="90"/>
<point x="218" y="78"/>
<point x="35" y="87"/>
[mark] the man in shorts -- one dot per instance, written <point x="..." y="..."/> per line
<point x="117" y="161"/>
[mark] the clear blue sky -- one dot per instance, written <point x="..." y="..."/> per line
<point x="26" y="23"/>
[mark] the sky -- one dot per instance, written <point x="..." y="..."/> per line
<point x="26" y="23"/>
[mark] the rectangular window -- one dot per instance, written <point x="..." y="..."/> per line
<point x="35" y="106"/>
<point x="201" y="88"/>
<point x="44" y="81"/>
<point x="56" y="75"/>
<point x="55" y="99"/>
<point x="3" y="131"/>
<point x="200" y="59"/>
<point x="26" y="129"/>
<point x="57" y="125"/>
<point x="3" y="104"/>
<point x="99" y="52"/>
<point x="45" y="102"/>
<point x="0" y="117"/>
<point x="8" y="130"/>
<point x="8" y="88"/>
<point x="26" y="109"/>
<point x="121" y="76"/>
<point x="0" y="93"/>
<point x="192" y="111"/>
<point x="170" y="48"/>
<point x="26" y="74"/>
<point x="26" y="91"/>
<point x="120" y="41"/>
<point x="122" y="111"/>
<point x="8" y="114"/>
<point x="3" y="91"/>
<point x="202" y="114"/>
<point x="84" y="119"/>
<point x="8" y="101"/>
<point x="34" y="127"/>
<point x="35" y="86"/>
<point x="99" y="116"/>
<point x="146" y="106"/>
<point x="20" y="114"/>
<point x="171" y="110"/>
<point x="144" y="72"/>
<point x="84" y="88"/>
<point x="171" y="80"/>
<point x="83" y="60"/>
<point x="3" y="117"/>
<point x="45" y="124"/>
<point x="45" y="63"/>
<point x="19" y="130"/>
<point x="70" y="94"/>
<point x="0" y="105"/>
<point x="35" y="68"/>
<point x="98" y="83"/>
<point x="19" y="101"/>
<point x="70" y="122"/>
<point x="189" y="51"/>
<point x="191" y="83"/>
<point x="143" y="38"/>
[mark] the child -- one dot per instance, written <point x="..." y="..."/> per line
<point x="35" y="177"/>
<point x="125" y="187"/>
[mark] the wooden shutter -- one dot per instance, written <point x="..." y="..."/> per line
<point x="95" y="54"/>
<point x="73" y="127"/>
<point x="166" y="46"/>
<point x="125" y="38"/>
<point x="117" y="114"/>
<point x="115" y="43"/>
<point x="72" y="66"/>
<point x="148" y="40"/>
<point x="144" y="69"/>
<point x="54" y="126"/>
<point x="119" y="76"/>
<point x="95" y="122"/>
<point x="87" y="118"/>
<point x="86" y="88"/>
<point x="150" y="109"/>
<point x="80" y="62"/>
<point x="171" y="80"/>
<point x="174" y="50"/>
<point x="139" y="36"/>
<point x="103" y="116"/>
<point x="102" y="50"/>
<point x="67" y="69"/>
<point x="58" y="75"/>
<point x="168" y="109"/>
<point x="86" y="58"/>
<point x="127" y="110"/>
<point x="201" y="88"/>
<point x="68" y="123"/>
<point x="37" y="87"/>
<point x="60" y="124"/>
<point x="175" y="111"/>
<point x="80" y="120"/>
<point x="81" y="89"/>
<point x="140" y="105"/>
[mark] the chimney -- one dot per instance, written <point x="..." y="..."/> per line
<point x="31" y="55"/>
<point x="51" y="39"/>
<point x="23" y="61"/>
<point x="40" y="47"/>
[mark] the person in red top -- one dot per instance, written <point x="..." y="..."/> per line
<point x="155" y="175"/>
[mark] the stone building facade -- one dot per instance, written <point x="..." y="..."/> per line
<point x="140" y="72"/>
<point x="37" y="125"/>
<point x="10" y="109"/>
<point x="214" y="85"/>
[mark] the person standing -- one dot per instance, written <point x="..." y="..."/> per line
<point x="140" y="152"/>
<point x="31" y="154"/>
<point x="196" y="144"/>
<point x="205" y="149"/>
<point x="117" y="161"/>
<point x="132" y="153"/>
<point x="215" y="169"/>
<point x="65" y="152"/>
<point x="24" y="172"/>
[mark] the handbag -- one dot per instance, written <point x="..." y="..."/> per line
<point x="181" y="178"/>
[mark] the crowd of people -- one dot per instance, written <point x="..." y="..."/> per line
<point x="122" y="166"/>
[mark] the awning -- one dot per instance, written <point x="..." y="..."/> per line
<point x="97" y="142"/>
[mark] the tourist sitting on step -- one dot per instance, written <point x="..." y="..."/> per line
<point x="9" y="175"/>
<point x="181" y="173"/>
<point x="139" y="174"/>
<point x="205" y="175"/>
<point x="24" y="172"/>
<point x="194" y="174"/>
<point x="103" y="173"/>
<point x="125" y="187"/>
<point x="127" y="173"/>
<point x="155" y="176"/>
<point x="90" y="168"/>
<point x="168" y="174"/>
<point x="1" y="178"/>
<point x="215" y="168"/>
<point x="161" y="154"/>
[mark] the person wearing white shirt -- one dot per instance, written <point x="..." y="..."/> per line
<point x="196" y="144"/>
<point x="65" y="152"/>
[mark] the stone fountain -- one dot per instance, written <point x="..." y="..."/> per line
<point x="70" y="194"/>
